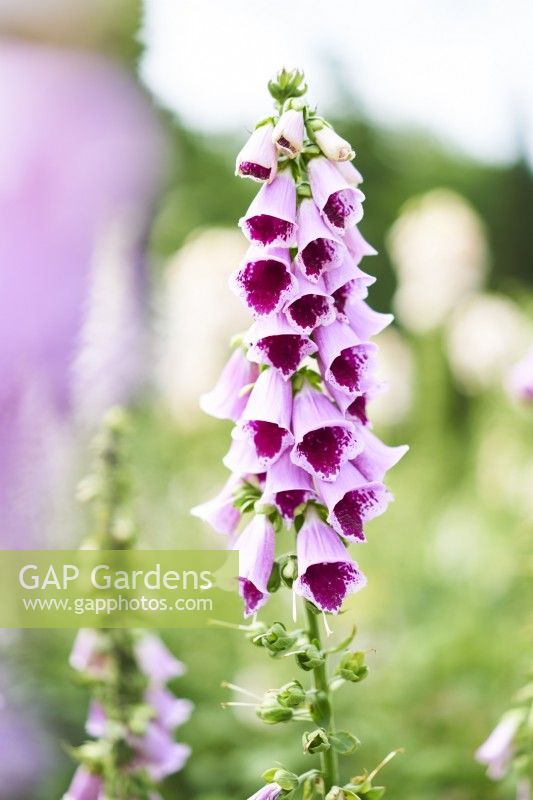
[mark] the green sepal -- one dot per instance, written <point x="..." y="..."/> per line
<point x="344" y="742"/>
<point x="309" y="658"/>
<point x="291" y="694"/>
<point x="274" y="582"/>
<point x="352" y="666"/>
<point x="315" y="741"/>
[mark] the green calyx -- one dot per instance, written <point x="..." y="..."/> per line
<point x="287" y="84"/>
<point x="352" y="667"/>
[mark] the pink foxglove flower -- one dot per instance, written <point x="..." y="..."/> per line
<point x="357" y="245"/>
<point x="363" y="320"/>
<point x="287" y="486"/>
<point x="264" y="281"/>
<point x="269" y="792"/>
<point x="352" y="500"/>
<point x="256" y="546"/>
<point x="350" y="173"/>
<point x="302" y="438"/>
<point x="156" y="660"/>
<point x="318" y="248"/>
<point x="227" y="400"/>
<point x="309" y="307"/>
<point x="377" y="458"/>
<point x="271" y="218"/>
<point x="345" y="361"/>
<point x="332" y="145"/>
<point x="158" y="753"/>
<point x="258" y="158"/>
<point x="89" y="654"/>
<point x="498" y="750"/>
<point x="266" y="419"/>
<point x="324" y="439"/>
<point x="171" y="711"/>
<point x="326" y="573"/>
<point x="85" y="786"/>
<point x="347" y="283"/>
<point x="220" y="512"/>
<point x="340" y="204"/>
<point x="273" y="341"/>
<point x="288" y="135"/>
<point x="520" y="379"/>
<point x="242" y="457"/>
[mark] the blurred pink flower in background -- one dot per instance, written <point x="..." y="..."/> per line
<point x="80" y="165"/>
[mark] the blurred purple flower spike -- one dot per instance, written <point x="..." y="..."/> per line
<point x="80" y="155"/>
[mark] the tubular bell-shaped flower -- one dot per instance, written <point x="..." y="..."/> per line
<point x="326" y="573"/>
<point x="288" y="135"/>
<point x="273" y="341"/>
<point x="266" y="419"/>
<point x="352" y="500"/>
<point x="271" y="218"/>
<point x="324" y="440"/>
<point x="309" y="307"/>
<point x="287" y="486"/>
<point x="258" y="158"/>
<point x="377" y="458"/>
<point x="264" y="281"/>
<point x="256" y="546"/>
<point x="318" y="248"/>
<point x="220" y="512"/>
<point x="332" y="145"/>
<point x="345" y="361"/>
<point x="227" y="400"/>
<point x="363" y="320"/>
<point x="340" y="204"/>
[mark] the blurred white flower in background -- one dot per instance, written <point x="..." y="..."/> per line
<point x="397" y="368"/>
<point x="487" y="333"/>
<point x="439" y="251"/>
<point x="198" y="318"/>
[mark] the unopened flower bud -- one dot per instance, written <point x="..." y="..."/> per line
<point x="277" y="639"/>
<point x="288" y="135"/>
<point x="332" y="145"/>
<point x="272" y="714"/>
<point x="291" y="694"/>
<point x="352" y="667"/>
<point x="310" y="658"/>
<point x="315" y="741"/>
<point x="289" y="570"/>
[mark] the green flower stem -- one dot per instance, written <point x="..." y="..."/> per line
<point x="328" y="758"/>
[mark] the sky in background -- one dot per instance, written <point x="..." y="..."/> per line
<point x="462" y="69"/>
